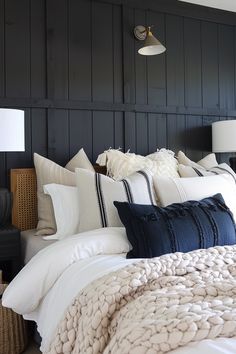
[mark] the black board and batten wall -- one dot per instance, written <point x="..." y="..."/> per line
<point x="73" y="66"/>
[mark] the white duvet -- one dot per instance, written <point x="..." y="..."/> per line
<point x="46" y="286"/>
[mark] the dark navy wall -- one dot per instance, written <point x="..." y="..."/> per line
<point x="73" y="66"/>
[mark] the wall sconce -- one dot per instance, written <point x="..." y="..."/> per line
<point x="152" y="46"/>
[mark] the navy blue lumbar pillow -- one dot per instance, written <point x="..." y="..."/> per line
<point x="181" y="227"/>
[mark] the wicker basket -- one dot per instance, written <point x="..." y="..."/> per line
<point x="13" y="333"/>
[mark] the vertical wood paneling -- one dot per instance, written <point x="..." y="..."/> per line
<point x="117" y="55"/>
<point x="176" y="132"/>
<point x="17" y="49"/>
<point x="157" y="131"/>
<point x="142" y="133"/>
<point x="84" y="50"/>
<point x="157" y="63"/>
<point x="193" y="63"/>
<point x="80" y="50"/>
<point x="119" y="130"/>
<point x="130" y="131"/>
<point x="175" y="60"/>
<point x="103" y="127"/>
<point x="140" y="65"/>
<point x="2" y="49"/>
<point x="3" y="180"/>
<point x="37" y="49"/>
<point x="80" y="132"/>
<point x="226" y="67"/>
<point x="39" y="131"/>
<point x="57" y="49"/>
<point x="128" y="54"/>
<point x="58" y="135"/>
<point x="210" y="80"/>
<point x="193" y="137"/>
<point x="102" y="52"/>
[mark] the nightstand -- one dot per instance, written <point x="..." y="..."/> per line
<point x="10" y="252"/>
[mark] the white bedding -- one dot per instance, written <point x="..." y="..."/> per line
<point x="31" y="244"/>
<point x="57" y="273"/>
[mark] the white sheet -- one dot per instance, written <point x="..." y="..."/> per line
<point x="58" y="273"/>
<point x="31" y="244"/>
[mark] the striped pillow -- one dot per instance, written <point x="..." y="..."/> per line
<point x="188" y="171"/>
<point x="97" y="193"/>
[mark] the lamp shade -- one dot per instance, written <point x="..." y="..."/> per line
<point x="152" y="46"/>
<point x="224" y="136"/>
<point x="12" y="130"/>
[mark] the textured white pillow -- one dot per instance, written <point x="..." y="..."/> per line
<point x="47" y="172"/>
<point x="120" y="165"/>
<point x="188" y="171"/>
<point x="179" y="190"/>
<point x="207" y="162"/>
<point x="66" y="209"/>
<point x="96" y="194"/>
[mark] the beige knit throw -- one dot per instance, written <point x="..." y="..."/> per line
<point x="154" y="306"/>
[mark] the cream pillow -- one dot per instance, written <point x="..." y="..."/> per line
<point x="179" y="190"/>
<point x="207" y="162"/>
<point x="79" y="160"/>
<point x="121" y="165"/>
<point x="48" y="172"/>
<point x="188" y="171"/>
<point x="97" y="193"/>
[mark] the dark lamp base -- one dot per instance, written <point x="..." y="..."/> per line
<point x="5" y="207"/>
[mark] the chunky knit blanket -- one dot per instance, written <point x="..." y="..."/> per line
<point x="154" y="306"/>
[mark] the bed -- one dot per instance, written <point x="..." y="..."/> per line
<point x="31" y="245"/>
<point x="87" y="297"/>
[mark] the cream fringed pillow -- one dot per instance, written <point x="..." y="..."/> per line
<point x="120" y="165"/>
<point x="48" y="172"/>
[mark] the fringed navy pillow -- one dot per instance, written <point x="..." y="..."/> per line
<point x="182" y="227"/>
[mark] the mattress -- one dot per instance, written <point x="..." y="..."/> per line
<point x="31" y="244"/>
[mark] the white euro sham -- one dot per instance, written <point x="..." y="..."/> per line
<point x="66" y="209"/>
<point x="179" y="190"/>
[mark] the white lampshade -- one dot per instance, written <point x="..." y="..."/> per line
<point x="152" y="46"/>
<point x="12" y="130"/>
<point x="224" y="136"/>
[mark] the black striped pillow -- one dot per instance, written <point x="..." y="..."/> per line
<point x="97" y="193"/>
<point x="188" y="171"/>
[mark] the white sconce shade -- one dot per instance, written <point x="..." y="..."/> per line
<point x="224" y="136"/>
<point x="12" y="130"/>
<point x="152" y="46"/>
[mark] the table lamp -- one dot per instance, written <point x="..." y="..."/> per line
<point x="12" y="138"/>
<point x="224" y="138"/>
